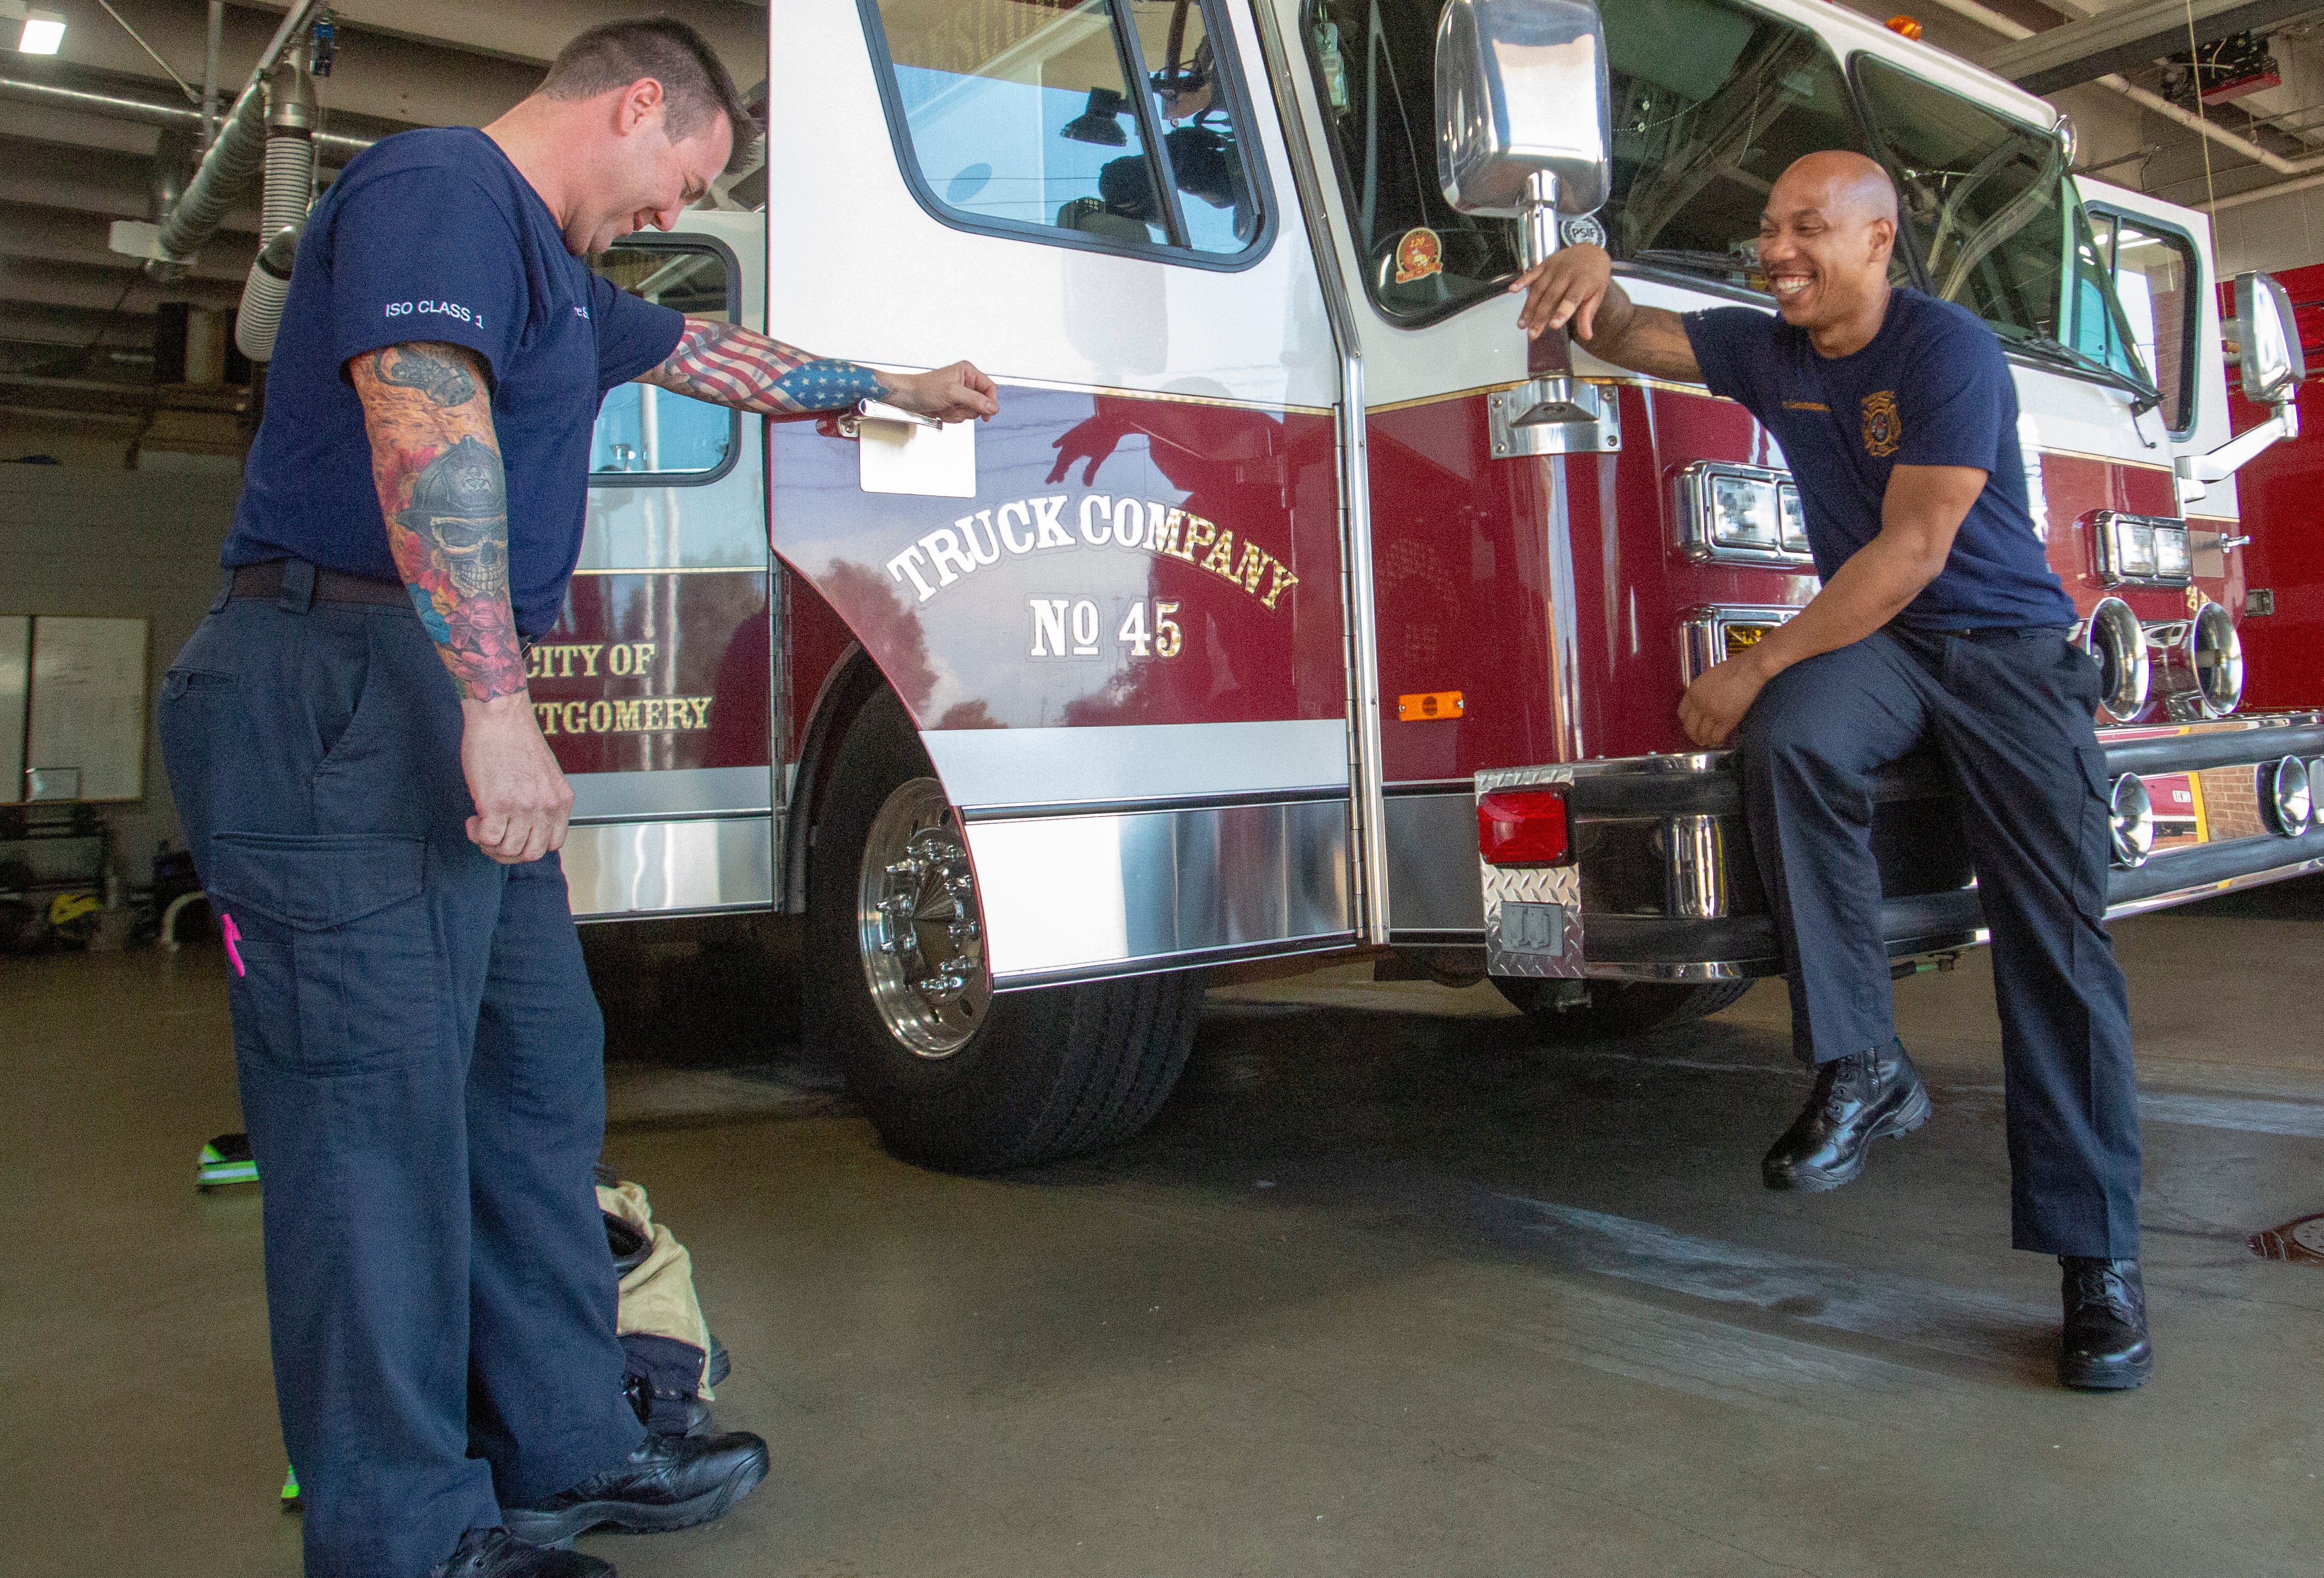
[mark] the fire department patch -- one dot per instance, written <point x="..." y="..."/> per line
<point x="1418" y="256"/>
<point x="1883" y="429"/>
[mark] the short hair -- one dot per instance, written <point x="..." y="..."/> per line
<point x="694" y="85"/>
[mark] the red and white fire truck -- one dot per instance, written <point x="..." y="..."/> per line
<point x="1285" y="556"/>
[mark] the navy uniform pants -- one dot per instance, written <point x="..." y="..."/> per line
<point x="2010" y="713"/>
<point x="421" y="1062"/>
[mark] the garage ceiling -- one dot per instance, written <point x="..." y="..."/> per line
<point x="77" y="319"/>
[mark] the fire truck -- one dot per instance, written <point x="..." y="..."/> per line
<point x="1288" y="567"/>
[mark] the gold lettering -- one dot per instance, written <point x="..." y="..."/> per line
<point x="1255" y="560"/>
<point x="1198" y="535"/>
<point x="546" y="711"/>
<point x="625" y="717"/>
<point x="701" y="706"/>
<point x="1219" y="560"/>
<point x="575" y="716"/>
<point x="645" y="653"/>
<point x="589" y="658"/>
<point x="601" y="716"/>
<point x="1284" y="581"/>
<point x="1162" y="530"/>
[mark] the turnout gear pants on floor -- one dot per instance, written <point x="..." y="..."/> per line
<point x="421" y="1068"/>
<point x="2010" y="714"/>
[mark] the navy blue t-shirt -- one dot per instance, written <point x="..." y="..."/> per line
<point x="1931" y="389"/>
<point x="435" y="236"/>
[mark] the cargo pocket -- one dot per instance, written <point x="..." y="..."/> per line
<point x="2094" y="876"/>
<point x="2094" y="774"/>
<point x="335" y="966"/>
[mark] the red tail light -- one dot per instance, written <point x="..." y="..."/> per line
<point x="1523" y="827"/>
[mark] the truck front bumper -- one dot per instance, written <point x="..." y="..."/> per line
<point x="1662" y="886"/>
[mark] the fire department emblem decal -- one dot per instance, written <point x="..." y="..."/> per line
<point x="1883" y="429"/>
<point x="1418" y="254"/>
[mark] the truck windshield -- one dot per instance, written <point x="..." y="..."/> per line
<point x="1983" y="199"/>
<point x="1711" y="102"/>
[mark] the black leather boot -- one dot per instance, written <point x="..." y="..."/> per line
<point x="1856" y="1100"/>
<point x="494" y="1553"/>
<point x="671" y="1482"/>
<point x="2104" y="1347"/>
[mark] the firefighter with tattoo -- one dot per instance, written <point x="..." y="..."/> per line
<point x="375" y="817"/>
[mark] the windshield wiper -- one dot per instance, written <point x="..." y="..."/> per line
<point x="2148" y="397"/>
<point x="1696" y="258"/>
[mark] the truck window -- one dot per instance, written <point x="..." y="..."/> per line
<point x="1112" y="124"/>
<point x="2148" y="272"/>
<point x="1984" y="199"/>
<point x="1711" y="102"/>
<point x="643" y="432"/>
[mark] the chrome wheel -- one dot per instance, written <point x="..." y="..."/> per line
<point x="919" y="931"/>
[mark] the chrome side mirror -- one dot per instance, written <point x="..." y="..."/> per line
<point x="1522" y="113"/>
<point x="2267" y="340"/>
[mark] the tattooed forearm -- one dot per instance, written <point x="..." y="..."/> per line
<point x="418" y="366"/>
<point x="728" y="365"/>
<point x="437" y="463"/>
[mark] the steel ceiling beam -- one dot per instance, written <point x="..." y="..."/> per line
<point x="2130" y="38"/>
<point x="391" y="80"/>
<point x="534" y="31"/>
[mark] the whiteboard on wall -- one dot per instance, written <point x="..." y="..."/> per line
<point x="15" y="670"/>
<point x="88" y="705"/>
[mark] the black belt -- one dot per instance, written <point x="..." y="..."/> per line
<point x="1994" y="633"/>
<point x="266" y="580"/>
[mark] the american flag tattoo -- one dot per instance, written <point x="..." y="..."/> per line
<point x="728" y="365"/>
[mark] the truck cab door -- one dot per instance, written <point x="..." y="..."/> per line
<point x="653" y="689"/>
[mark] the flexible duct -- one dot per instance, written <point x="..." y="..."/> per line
<point x="283" y="201"/>
<point x="225" y="170"/>
<point x="232" y="159"/>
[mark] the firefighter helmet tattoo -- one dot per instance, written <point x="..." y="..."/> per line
<point x="459" y="505"/>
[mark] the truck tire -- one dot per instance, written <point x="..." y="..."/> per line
<point x="1617" y="1007"/>
<point x="950" y="1074"/>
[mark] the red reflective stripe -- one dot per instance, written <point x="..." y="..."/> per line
<point x="1523" y="827"/>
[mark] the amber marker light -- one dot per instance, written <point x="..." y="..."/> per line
<point x="1523" y="827"/>
<point x="1908" y="26"/>
<point x="1432" y="703"/>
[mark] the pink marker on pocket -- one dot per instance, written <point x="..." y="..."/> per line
<point x="233" y="935"/>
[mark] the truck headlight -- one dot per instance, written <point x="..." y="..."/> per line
<point x="2141" y="551"/>
<point x="2170" y="557"/>
<point x="1795" y="519"/>
<point x="1743" y="513"/>
<point x="1739" y="514"/>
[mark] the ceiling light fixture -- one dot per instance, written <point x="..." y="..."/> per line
<point x="45" y="30"/>
<point x="42" y="30"/>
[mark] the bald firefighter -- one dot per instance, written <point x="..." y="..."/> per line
<point x="1940" y="622"/>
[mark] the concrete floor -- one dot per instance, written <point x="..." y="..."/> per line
<point x="1389" y="1288"/>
